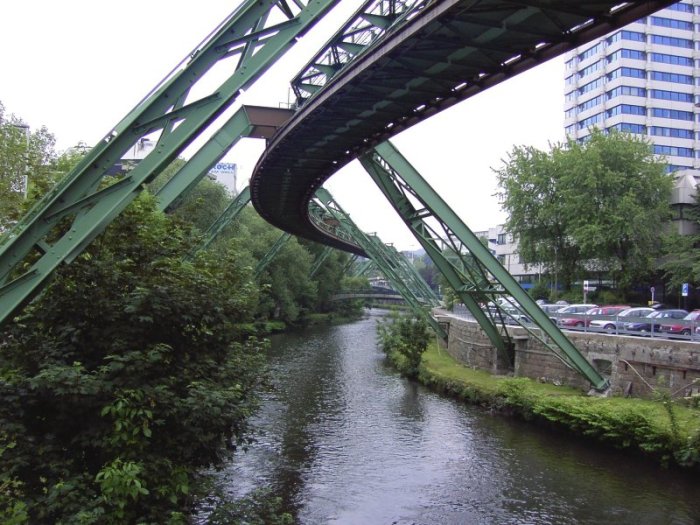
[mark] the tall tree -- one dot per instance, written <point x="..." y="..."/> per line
<point x="29" y="166"/>
<point x="599" y="205"/>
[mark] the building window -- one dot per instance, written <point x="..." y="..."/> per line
<point x="627" y="53"/>
<point x="671" y="59"/>
<point x="626" y="90"/>
<point x="671" y="95"/>
<point x="591" y="85"/>
<point x="596" y="101"/>
<point x="671" y="77"/>
<point x="672" y="41"/>
<point x="659" y="131"/>
<point x="595" y="66"/>
<point x="632" y="72"/>
<point x="588" y="53"/>
<point x="626" y="109"/>
<point x="501" y="239"/>
<point x="626" y="127"/>
<point x="634" y="36"/>
<point x="591" y="121"/>
<point x="501" y="259"/>
<point x="660" y="21"/>
<point x="672" y="114"/>
<point x="680" y="6"/>
<point x="674" y="151"/>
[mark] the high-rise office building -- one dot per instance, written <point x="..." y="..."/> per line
<point x="643" y="79"/>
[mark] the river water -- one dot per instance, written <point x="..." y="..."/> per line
<point x="342" y="438"/>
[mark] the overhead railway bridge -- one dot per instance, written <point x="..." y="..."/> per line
<point x="391" y="65"/>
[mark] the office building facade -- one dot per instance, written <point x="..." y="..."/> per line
<point x="643" y="79"/>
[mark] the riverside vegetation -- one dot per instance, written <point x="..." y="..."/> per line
<point x="662" y="429"/>
<point x="135" y="369"/>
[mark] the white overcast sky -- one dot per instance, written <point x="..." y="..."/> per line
<point x="78" y="66"/>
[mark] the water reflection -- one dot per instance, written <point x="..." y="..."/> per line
<point x="343" y="439"/>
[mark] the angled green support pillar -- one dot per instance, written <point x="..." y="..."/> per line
<point x="320" y="259"/>
<point x="271" y="253"/>
<point x="248" y="121"/>
<point x="398" y="180"/>
<point x="256" y="34"/>
<point x="331" y="207"/>
<point x="229" y="214"/>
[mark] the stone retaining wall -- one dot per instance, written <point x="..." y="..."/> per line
<point x="633" y="364"/>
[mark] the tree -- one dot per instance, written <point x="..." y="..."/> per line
<point x="23" y="153"/>
<point x="126" y="377"/>
<point x="592" y="206"/>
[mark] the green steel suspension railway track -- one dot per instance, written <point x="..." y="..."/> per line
<point x="391" y="65"/>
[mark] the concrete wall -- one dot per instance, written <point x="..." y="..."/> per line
<point x="633" y="364"/>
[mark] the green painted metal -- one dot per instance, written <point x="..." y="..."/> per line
<point x="271" y="253"/>
<point x="403" y="185"/>
<point x="248" y="121"/>
<point x="364" y="27"/>
<point x="416" y="278"/>
<point x="363" y="268"/>
<point x="89" y="200"/>
<point x="229" y="214"/>
<point x="378" y="256"/>
<point x="320" y="259"/>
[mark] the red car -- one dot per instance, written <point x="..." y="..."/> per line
<point x="683" y="329"/>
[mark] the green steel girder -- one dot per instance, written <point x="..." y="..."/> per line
<point x="227" y="216"/>
<point x="405" y="271"/>
<point x="372" y="19"/>
<point x="364" y="268"/>
<point x="415" y="277"/>
<point x="248" y="121"/>
<point x="271" y="253"/>
<point x="416" y="201"/>
<point x="378" y="256"/>
<point x="320" y="259"/>
<point x="89" y="200"/>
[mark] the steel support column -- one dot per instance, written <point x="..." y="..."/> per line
<point x="378" y="256"/>
<point x="270" y="255"/>
<point x="416" y="202"/>
<point x="31" y="251"/>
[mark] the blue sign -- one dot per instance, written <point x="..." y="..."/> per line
<point x="684" y="290"/>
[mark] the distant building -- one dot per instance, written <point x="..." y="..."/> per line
<point x="642" y="79"/>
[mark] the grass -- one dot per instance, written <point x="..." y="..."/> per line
<point x="667" y="432"/>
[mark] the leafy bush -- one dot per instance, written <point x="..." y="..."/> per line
<point x="126" y="377"/>
<point x="409" y="337"/>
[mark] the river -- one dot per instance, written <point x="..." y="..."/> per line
<point x="342" y="438"/>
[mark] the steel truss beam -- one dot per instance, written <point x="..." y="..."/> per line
<point x="370" y="244"/>
<point x="271" y="253"/>
<point x="481" y="279"/>
<point x="227" y="216"/>
<point x="79" y="208"/>
<point x="320" y="259"/>
<point x="362" y="29"/>
<point x="248" y="121"/>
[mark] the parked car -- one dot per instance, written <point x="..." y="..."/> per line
<point x="579" y="320"/>
<point x="683" y="328"/>
<point x="610" y="325"/>
<point x="654" y="320"/>
<point x="590" y="315"/>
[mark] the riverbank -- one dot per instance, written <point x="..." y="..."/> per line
<point x="668" y="433"/>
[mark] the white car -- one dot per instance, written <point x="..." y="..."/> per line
<point x="611" y="325"/>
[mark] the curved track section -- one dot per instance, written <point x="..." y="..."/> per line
<point x="449" y="51"/>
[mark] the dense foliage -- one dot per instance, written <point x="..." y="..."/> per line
<point x="407" y="337"/>
<point x="595" y="207"/>
<point x="135" y="368"/>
